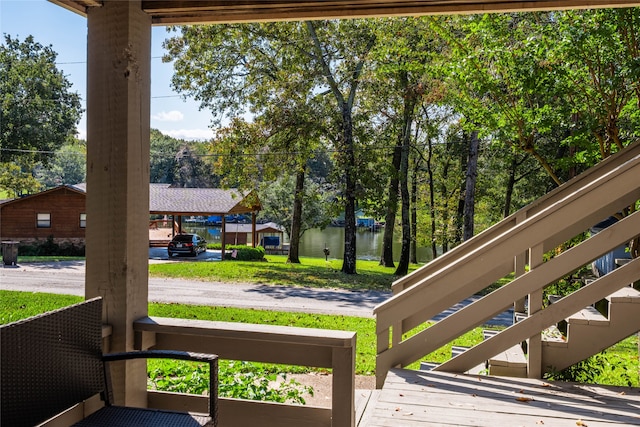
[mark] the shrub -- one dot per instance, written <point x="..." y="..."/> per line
<point x="238" y="380"/>
<point x="242" y="252"/>
<point x="50" y="248"/>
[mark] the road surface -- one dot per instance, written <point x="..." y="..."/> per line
<point x="68" y="278"/>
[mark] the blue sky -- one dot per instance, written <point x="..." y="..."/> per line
<point x="66" y="32"/>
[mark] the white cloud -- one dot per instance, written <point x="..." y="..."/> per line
<point x="189" y="134"/>
<point x="171" y="116"/>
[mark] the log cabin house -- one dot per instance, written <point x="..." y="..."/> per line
<point x="59" y="213"/>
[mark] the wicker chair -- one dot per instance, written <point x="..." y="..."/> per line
<point x="50" y="362"/>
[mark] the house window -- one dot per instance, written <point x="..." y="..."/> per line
<point x="43" y="220"/>
<point x="83" y="220"/>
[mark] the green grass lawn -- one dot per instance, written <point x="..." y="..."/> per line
<point x="312" y="272"/>
<point x="618" y="365"/>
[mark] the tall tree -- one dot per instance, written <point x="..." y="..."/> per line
<point x="261" y="70"/>
<point x="341" y="65"/>
<point x="39" y="112"/>
<point x="68" y="166"/>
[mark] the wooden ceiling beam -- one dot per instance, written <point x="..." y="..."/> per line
<point x="173" y="12"/>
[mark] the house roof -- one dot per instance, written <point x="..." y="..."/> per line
<point x="182" y="201"/>
<point x="62" y="188"/>
<point x="269" y="227"/>
<point x="164" y="199"/>
<point x="169" y="12"/>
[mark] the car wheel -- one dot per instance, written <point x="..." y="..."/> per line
<point x="170" y="254"/>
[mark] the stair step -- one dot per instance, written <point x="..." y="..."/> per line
<point x="520" y="316"/>
<point x="588" y="316"/>
<point x="458" y="349"/>
<point x="511" y="362"/>
<point x="488" y="333"/>
<point x="553" y="334"/>
<point x="626" y="294"/>
<point x="428" y="366"/>
<point x="512" y="357"/>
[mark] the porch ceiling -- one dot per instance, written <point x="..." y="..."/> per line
<point x="167" y="12"/>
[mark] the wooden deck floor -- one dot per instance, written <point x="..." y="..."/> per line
<point x="412" y="398"/>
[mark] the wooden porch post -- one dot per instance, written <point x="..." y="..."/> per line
<point x="118" y="105"/>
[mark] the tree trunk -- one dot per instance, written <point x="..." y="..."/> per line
<point x="386" y="258"/>
<point x="432" y="202"/>
<point x="510" y="186"/>
<point x="349" y="259"/>
<point x="296" y="220"/>
<point x="409" y="106"/>
<point x="403" y="264"/>
<point x="413" y="256"/>
<point x="470" y="188"/>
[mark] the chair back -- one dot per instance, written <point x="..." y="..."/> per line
<point x="50" y="362"/>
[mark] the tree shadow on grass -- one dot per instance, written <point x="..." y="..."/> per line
<point x="321" y="277"/>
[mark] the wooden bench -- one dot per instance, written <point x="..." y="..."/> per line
<point x="53" y="362"/>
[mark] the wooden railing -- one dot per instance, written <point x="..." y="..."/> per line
<point x="523" y="237"/>
<point x="259" y="343"/>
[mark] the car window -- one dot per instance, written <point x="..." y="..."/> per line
<point x="183" y="238"/>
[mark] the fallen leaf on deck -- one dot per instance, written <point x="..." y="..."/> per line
<point x="540" y="422"/>
<point x="545" y="385"/>
<point x="524" y="399"/>
<point x="581" y="423"/>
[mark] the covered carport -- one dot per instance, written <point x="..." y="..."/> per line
<point x="178" y="202"/>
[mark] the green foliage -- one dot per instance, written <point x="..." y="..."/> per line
<point x="597" y="367"/>
<point x="68" y="166"/>
<point x="16" y="181"/>
<point x="277" y="204"/>
<point x="39" y="112"/>
<point x="240" y="252"/>
<point x="50" y="248"/>
<point x="237" y="380"/>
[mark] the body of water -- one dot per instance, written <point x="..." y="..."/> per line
<point x="313" y="242"/>
<point x="368" y="244"/>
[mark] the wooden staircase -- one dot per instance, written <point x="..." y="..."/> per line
<point x="579" y="336"/>
<point x="589" y="331"/>
<point x="516" y="247"/>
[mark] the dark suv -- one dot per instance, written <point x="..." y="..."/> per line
<point x="186" y="244"/>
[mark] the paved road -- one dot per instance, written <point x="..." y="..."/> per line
<point x="68" y="278"/>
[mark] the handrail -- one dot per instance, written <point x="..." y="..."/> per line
<point x="489" y="305"/>
<point x="269" y="344"/>
<point x="568" y="211"/>
<point x="542" y="319"/>
<point x="461" y="277"/>
<point x="507" y="223"/>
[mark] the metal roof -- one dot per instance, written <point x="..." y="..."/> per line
<point x="169" y="12"/>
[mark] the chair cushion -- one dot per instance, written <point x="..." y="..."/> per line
<point x="117" y="416"/>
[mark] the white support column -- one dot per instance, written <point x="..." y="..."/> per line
<point x="118" y="106"/>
